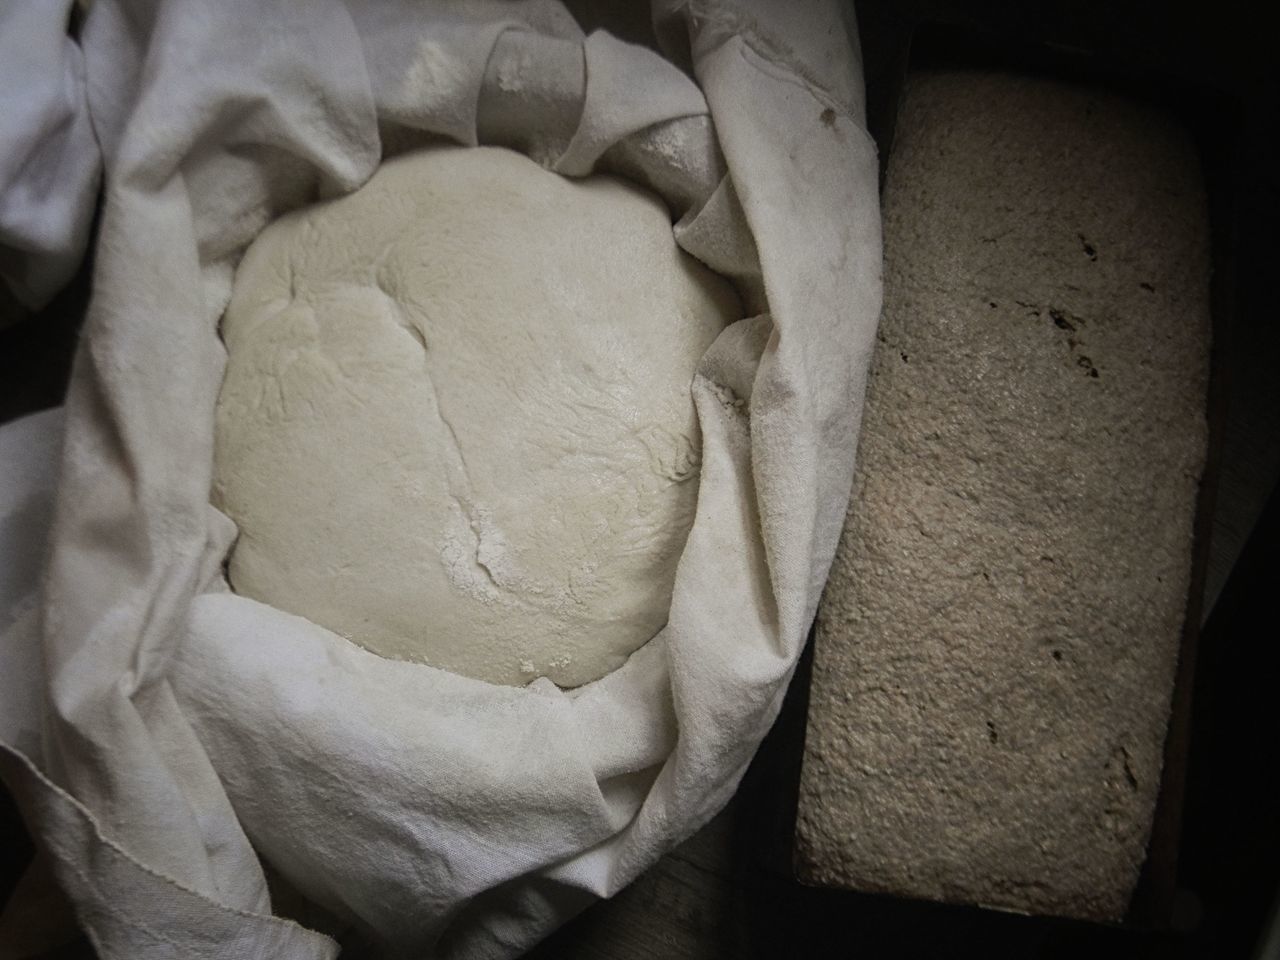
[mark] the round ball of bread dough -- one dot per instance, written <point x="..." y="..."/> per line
<point x="456" y="425"/>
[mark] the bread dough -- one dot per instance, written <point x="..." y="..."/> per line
<point x="456" y="425"/>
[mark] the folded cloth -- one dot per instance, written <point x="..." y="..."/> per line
<point x="49" y="160"/>
<point x="162" y="734"/>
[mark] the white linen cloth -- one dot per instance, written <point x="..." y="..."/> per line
<point x="49" y="162"/>
<point x="161" y="733"/>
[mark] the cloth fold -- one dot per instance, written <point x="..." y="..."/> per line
<point x="49" y="159"/>
<point x="170" y="732"/>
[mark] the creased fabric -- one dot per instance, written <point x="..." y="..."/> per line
<point x="49" y="158"/>
<point x="168" y="733"/>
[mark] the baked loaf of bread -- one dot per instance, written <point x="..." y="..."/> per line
<point x="997" y="643"/>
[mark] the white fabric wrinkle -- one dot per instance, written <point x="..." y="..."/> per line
<point x="453" y="818"/>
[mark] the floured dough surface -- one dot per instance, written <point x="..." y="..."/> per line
<point x="456" y="425"/>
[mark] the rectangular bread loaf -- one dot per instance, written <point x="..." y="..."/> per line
<point x="997" y="643"/>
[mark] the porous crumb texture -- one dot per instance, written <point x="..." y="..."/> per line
<point x="996" y="646"/>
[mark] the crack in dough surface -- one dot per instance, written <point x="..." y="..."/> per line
<point x="456" y="425"/>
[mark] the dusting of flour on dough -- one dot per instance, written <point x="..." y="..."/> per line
<point x="457" y="423"/>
